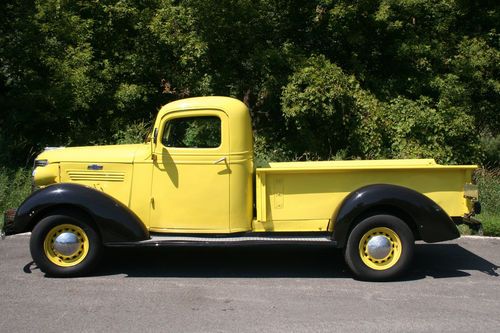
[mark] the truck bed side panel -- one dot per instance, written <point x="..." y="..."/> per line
<point x="305" y="199"/>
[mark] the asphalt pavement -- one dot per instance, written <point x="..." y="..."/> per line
<point x="452" y="287"/>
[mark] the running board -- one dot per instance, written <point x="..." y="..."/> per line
<point x="176" y="240"/>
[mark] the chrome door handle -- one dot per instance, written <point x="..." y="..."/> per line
<point x="222" y="159"/>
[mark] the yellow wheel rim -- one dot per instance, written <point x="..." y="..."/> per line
<point x="388" y="252"/>
<point x="72" y="255"/>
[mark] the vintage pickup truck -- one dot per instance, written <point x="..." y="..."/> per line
<point x="194" y="182"/>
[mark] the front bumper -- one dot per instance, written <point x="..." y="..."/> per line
<point x="7" y="227"/>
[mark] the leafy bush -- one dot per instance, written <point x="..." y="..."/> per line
<point x="491" y="147"/>
<point x="133" y="133"/>
<point x="330" y="115"/>
<point x="489" y="196"/>
<point x="327" y="112"/>
<point x="477" y="67"/>
<point x="419" y="129"/>
<point x="265" y="152"/>
<point x="15" y="186"/>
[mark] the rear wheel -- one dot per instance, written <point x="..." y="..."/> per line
<point x="379" y="248"/>
<point x="64" y="245"/>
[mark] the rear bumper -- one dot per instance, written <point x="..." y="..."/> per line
<point x="469" y="221"/>
<point x="7" y="227"/>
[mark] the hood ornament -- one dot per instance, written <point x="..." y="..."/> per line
<point x="94" y="167"/>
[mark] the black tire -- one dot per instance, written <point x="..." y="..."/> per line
<point x="396" y="234"/>
<point x="53" y="263"/>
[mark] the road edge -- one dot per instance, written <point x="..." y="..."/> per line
<point x="463" y="236"/>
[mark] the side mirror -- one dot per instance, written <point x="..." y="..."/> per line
<point x="154" y="140"/>
<point x="155" y="135"/>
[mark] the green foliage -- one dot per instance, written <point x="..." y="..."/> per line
<point x="491" y="147"/>
<point x="73" y="72"/>
<point x="328" y="112"/>
<point x="418" y="129"/>
<point x="323" y="79"/>
<point x="489" y="196"/>
<point x="265" y="152"/>
<point x="174" y="26"/>
<point x="15" y="186"/>
<point x="477" y="68"/>
<point x="133" y="133"/>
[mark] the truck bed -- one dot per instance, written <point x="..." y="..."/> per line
<point x="303" y="196"/>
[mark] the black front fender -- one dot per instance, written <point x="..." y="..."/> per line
<point x="430" y="221"/>
<point x="115" y="222"/>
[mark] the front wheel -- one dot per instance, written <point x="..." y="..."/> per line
<point x="379" y="248"/>
<point x="64" y="246"/>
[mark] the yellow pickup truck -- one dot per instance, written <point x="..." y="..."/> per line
<point x="194" y="182"/>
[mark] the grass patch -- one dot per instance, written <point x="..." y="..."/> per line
<point x="15" y="186"/>
<point x="489" y="196"/>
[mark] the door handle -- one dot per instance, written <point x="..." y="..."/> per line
<point x="222" y="159"/>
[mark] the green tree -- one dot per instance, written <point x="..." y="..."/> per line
<point x="329" y="114"/>
<point x="84" y="72"/>
<point x="421" y="129"/>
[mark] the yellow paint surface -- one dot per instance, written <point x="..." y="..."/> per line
<point x="304" y="193"/>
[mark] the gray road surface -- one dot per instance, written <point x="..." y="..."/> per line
<point x="453" y="287"/>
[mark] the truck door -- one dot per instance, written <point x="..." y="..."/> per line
<point x="190" y="189"/>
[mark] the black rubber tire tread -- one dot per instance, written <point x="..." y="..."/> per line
<point x="49" y="268"/>
<point x="354" y="261"/>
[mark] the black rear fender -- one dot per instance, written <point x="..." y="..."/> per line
<point x="427" y="219"/>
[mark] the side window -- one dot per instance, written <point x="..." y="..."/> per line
<point x="192" y="132"/>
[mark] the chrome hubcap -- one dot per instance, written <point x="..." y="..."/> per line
<point x="379" y="247"/>
<point x="66" y="243"/>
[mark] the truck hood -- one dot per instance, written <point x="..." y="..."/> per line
<point x="101" y="154"/>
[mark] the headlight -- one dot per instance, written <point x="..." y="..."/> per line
<point x="41" y="163"/>
<point x="46" y="175"/>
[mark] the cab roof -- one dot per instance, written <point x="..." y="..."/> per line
<point x="227" y="104"/>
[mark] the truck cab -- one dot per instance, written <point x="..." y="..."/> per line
<point x="202" y="154"/>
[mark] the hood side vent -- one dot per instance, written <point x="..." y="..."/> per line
<point x="93" y="176"/>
